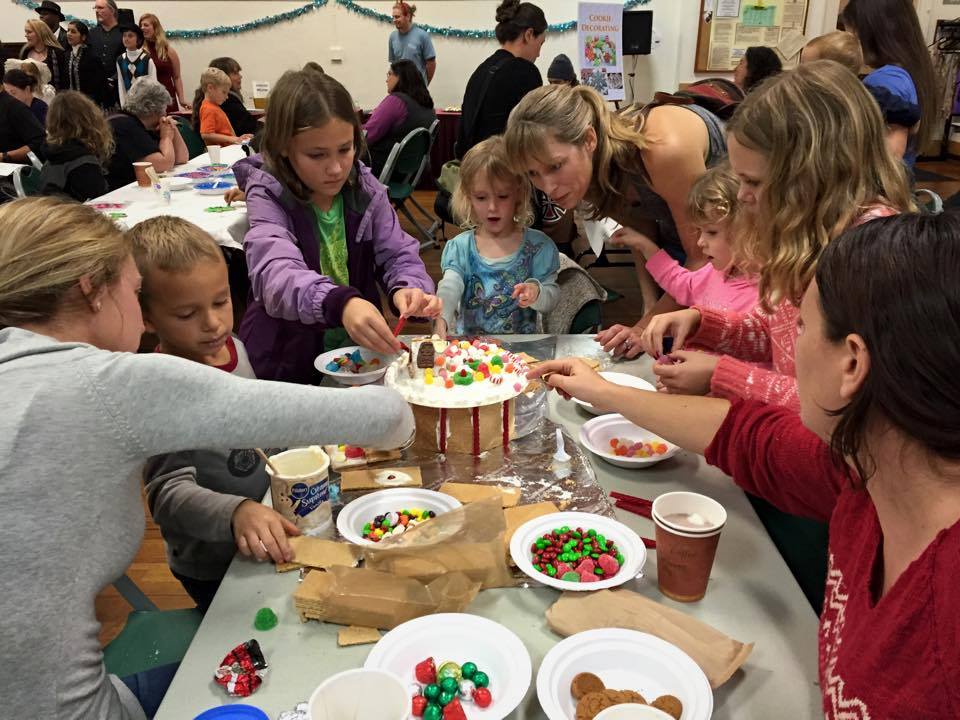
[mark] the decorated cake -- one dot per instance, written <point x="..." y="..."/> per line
<point x="461" y="392"/>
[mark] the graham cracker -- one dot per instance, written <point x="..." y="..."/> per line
<point x="356" y="635"/>
<point x="371" y="457"/>
<point x="468" y="493"/>
<point x="379" y="478"/>
<point x="319" y="553"/>
<point x="517" y="516"/>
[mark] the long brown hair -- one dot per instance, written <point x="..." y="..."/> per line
<point x="564" y="114"/>
<point x="823" y="138"/>
<point x="889" y="34"/>
<point x="74" y="116"/>
<point x="302" y="100"/>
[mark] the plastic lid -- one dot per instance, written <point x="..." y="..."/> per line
<point x="233" y="712"/>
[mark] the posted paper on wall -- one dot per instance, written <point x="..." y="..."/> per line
<point x="600" y="48"/>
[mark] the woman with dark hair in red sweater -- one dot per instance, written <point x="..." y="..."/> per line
<point x="875" y="450"/>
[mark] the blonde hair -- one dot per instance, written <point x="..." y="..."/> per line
<point x="488" y="160"/>
<point x="46" y="246"/>
<point x="39" y="73"/>
<point x="44" y="33"/>
<point x="160" y="43"/>
<point x="565" y="114"/>
<point x="214" y="76"/>
<point x="822" y="135"/>
<point x="839" y="46"/>
<point x="713" y="197"/>
<point x="74" y="116"/>
<point x="169" y="244"/>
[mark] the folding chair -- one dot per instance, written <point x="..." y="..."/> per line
<point x="402" y="172"/>
<point x="191" y="138"/>
<point x="26" y="180"/>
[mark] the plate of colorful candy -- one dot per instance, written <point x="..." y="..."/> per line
<point x="621" y="443"/>
<point x="578" y="551"/>
<point x="631" y="381"/>
<point x="353" y="365"/>
<point x="371" y="518"/>
<point x="463" y="666"/>
<point x="586" y="672"/>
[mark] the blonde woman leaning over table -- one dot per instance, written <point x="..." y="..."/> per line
<point x="875" y="449"/>
<point x="81" y="414"/>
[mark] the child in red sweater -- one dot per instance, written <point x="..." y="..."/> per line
<point x="875" y="449"/>
<point x="804" y="179"/>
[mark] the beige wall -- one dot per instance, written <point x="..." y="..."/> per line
<point x="266" y="53"/>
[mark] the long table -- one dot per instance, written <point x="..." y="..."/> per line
<point x="227" y="228"/>
<point x="752" y="597"/>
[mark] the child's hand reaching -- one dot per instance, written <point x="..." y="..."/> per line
<point x="365" y="325"/>
<point x="526" y="294"/>
<point x="440" y="328"/>
<point x="634" y="240"/>
<point x="414" y="302"/>
<point x="234" y="195"/>
<point x="262" y="532"/>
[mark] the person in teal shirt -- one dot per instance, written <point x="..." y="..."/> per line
<point x="409" y="42"/>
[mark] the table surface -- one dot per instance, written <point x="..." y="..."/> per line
<point x="227" y="228"/>
<point x="751" y="597"/>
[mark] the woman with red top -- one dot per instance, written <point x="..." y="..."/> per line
<point x="875" y="449"/>
<point x="165" y="59"/>
<point x="805" y="177"/>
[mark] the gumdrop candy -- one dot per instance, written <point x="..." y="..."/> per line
<point x="586" y="566"/>
<point x="608" y="564"/>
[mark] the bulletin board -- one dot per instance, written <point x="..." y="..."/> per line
<point x="729" y="27"/>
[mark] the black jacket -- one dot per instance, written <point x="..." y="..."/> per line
<point x="57" y="64"/>
<point x="240" y="118"/>
<point x="19" y="127"/>
<point x="87" y="75"/>
<point x="62" y="174"/>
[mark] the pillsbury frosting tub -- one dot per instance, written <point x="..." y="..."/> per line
<point x="300" y="488"/>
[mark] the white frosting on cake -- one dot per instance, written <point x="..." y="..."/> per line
<point x="480" y="392"/>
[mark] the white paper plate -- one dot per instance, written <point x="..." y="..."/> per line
<point x="624" y="660"/>
<point x="178" y="183"/>
<point x="460" y="637"/>
<point x="616" y="378"/>
<point x="629" y="543"/>
<point x="349" y="378"/>
<point x="596" y="434"/>
<point x="357" y="513"/>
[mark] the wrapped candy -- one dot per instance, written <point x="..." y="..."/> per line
<point x="241" y="671"/>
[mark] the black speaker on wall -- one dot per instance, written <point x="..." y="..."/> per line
<point x="637" y="32"/>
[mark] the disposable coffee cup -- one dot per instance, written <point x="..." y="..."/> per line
<point x="300" y="488"/>
<point x="214" y="152"/>
<point x="688" y="529"/>
<point x="360" y="694"/>
<point x="140" y="171"/>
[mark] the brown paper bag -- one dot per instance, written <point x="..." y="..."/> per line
<point x="468" y="540"/>
<point x="354" y="596"/>
<point x="718" y="655"/>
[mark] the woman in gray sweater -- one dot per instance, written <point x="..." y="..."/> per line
<point x="79" y="415"/>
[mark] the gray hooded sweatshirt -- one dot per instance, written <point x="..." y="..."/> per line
<point x="76" y="425"/>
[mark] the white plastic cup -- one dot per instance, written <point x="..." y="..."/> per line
<point x="300" y="489"/>
<point x="360" y="694"/>
<point x="214" y="152"/>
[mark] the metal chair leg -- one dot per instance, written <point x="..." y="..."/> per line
<point x="134" y="595"/>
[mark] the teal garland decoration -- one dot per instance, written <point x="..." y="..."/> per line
<point x="219" y="29"/>
<point x="355" y="7"/>
<point x="349" y="5"/>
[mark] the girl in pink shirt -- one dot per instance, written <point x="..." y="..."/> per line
<point x="805" y="177"/>
<point x="720" y="283"/>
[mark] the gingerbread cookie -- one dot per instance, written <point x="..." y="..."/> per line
<point x="585" y="683"/>
<point x="670" y="705"/>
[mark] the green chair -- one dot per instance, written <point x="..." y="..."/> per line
<point x="26" y="180"/>
<point x="401" y="173"/>
<point x="191" y="137"/>
<point x="151" y="638"/>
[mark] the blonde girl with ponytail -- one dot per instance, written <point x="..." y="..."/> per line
<point x="636" y="168"/>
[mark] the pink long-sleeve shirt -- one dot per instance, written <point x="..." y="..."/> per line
<point x="705" y="286"/>
<point x="746" y="338"/>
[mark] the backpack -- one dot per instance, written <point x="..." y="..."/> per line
<point x="718" y="95"/>
<point x="53" y="177"/>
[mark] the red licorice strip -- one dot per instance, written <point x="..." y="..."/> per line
<point x="506" y="423"/>
<point x="631" y="498"/>
<point x="636" y="509"/>
<point x="400" y="323"/>
<point x="476" y="430"/>
<point x="443" y="430"/>
<point x="649" y="544"/>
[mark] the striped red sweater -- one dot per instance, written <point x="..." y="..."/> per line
<point x="892" y="658"/>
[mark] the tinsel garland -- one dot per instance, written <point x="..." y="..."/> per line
<point x="349" y="5"/>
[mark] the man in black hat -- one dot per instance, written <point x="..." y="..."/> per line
<point x="106" y="43"/>
<point x="51" y="14"/>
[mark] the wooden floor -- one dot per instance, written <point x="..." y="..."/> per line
<point x="149" y="569"/>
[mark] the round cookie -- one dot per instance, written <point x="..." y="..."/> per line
<point x="584" y="683"/>
<point x="670" y="705"/>
<point x="592" y="703"/>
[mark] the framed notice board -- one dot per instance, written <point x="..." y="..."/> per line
<point x="729" y="27"/>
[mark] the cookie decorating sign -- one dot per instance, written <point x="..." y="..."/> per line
<point x="600" y="48"/>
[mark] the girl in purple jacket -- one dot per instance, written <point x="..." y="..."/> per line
<point x="323" y="237"/>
